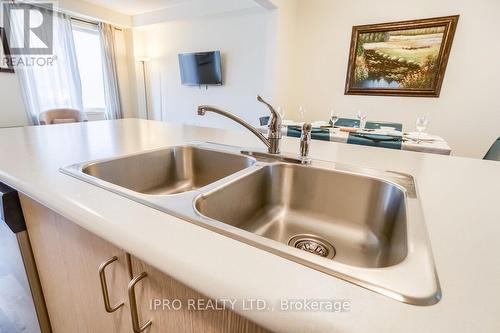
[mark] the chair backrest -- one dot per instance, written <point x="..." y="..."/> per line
<point x="264" y="120"/>
<point x="494" y="153"/>
<point x="60" y="116"/>
<point x="347" y="122"/>
<point x="379" y="124"/>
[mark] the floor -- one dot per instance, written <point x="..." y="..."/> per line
<point x="17" y="312"/>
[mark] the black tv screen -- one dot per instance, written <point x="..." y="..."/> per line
<point x="201" y="68"/>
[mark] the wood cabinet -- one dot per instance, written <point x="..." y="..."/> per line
<point x="68" y="258"/>
<point x="177" y="313"/>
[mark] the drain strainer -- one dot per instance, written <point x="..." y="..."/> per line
<point x="313" y="244"/>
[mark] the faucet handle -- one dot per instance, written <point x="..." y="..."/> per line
<point x="274" y="113"/>
<point x="274" y="124"/>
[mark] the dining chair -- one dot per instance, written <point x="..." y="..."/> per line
<point x="380" y="124"/>
<point x="347" y="122"/>
<point x="264" y="120"/>
<point x="61" y="116"/>
<point x="493" y="153"/>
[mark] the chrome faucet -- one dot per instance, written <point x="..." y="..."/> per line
<point x="274" y="134"/>
<point x="305" y="143"/>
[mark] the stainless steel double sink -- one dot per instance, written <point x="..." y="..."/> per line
<point x="361" y="225"/>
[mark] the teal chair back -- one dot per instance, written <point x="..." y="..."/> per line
<point x="379" y="124"/>
<point x="348" y="122"/>
<point x="494" y="153"/>
<point x="264" y="120"/>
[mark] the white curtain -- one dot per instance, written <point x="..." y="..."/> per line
<point x="111" y="89"/>
<point x="51" y="86"/>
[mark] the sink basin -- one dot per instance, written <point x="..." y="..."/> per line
<point x="361" y="225"/>
<point x="355" y="220"/>
<point x="168" y="171"/>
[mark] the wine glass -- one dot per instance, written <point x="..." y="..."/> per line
<point x="334" y="117"/>
<point x="281" y="111"/>
<point x="302" y="113"/>
<point x="421" y="124"/>
<point x="362" y="119"/>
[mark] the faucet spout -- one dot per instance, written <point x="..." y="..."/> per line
<point x="273" y="139"/>
<point x="203" y="109"/>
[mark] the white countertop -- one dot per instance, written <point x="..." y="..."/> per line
<point x="460" y="199"/>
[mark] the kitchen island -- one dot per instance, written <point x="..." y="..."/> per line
<point x="459" y="197"/>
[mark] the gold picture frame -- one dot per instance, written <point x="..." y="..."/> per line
<point x="406" y="58"/>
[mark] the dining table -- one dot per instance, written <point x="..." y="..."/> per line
<point x="376" y="135"/>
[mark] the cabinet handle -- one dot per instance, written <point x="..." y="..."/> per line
<point x="133" y="304"/>
<point x="104" y="286"/>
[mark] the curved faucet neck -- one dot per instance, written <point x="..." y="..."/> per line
<point x="274" y="135"/>
<point x="203" y="109"/>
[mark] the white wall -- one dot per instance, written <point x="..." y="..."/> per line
<point x="242" y="38"/>
<point x="282" y="48"/>
<point x="125" y="67"/>
<point x="467" y="114"/>
<point x="12" y="108"/>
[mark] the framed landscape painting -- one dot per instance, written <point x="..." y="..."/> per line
<point x="400" y="58"/>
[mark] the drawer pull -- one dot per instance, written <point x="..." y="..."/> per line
<point x="133" y="304"/>
<point x="104" y="286"/>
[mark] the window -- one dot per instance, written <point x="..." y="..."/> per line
<point x="88" y="53"/>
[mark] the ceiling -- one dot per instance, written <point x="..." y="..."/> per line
<point x="136" y="7"/>
<point x="146" y="12"/>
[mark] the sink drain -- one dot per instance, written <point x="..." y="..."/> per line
<point x="313" y="244"/>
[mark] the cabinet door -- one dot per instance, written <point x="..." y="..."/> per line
<point x="68" y="258"/>
<point x="170" y="317"/>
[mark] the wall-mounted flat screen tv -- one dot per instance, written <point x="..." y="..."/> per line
<point x="201" y="68"/>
